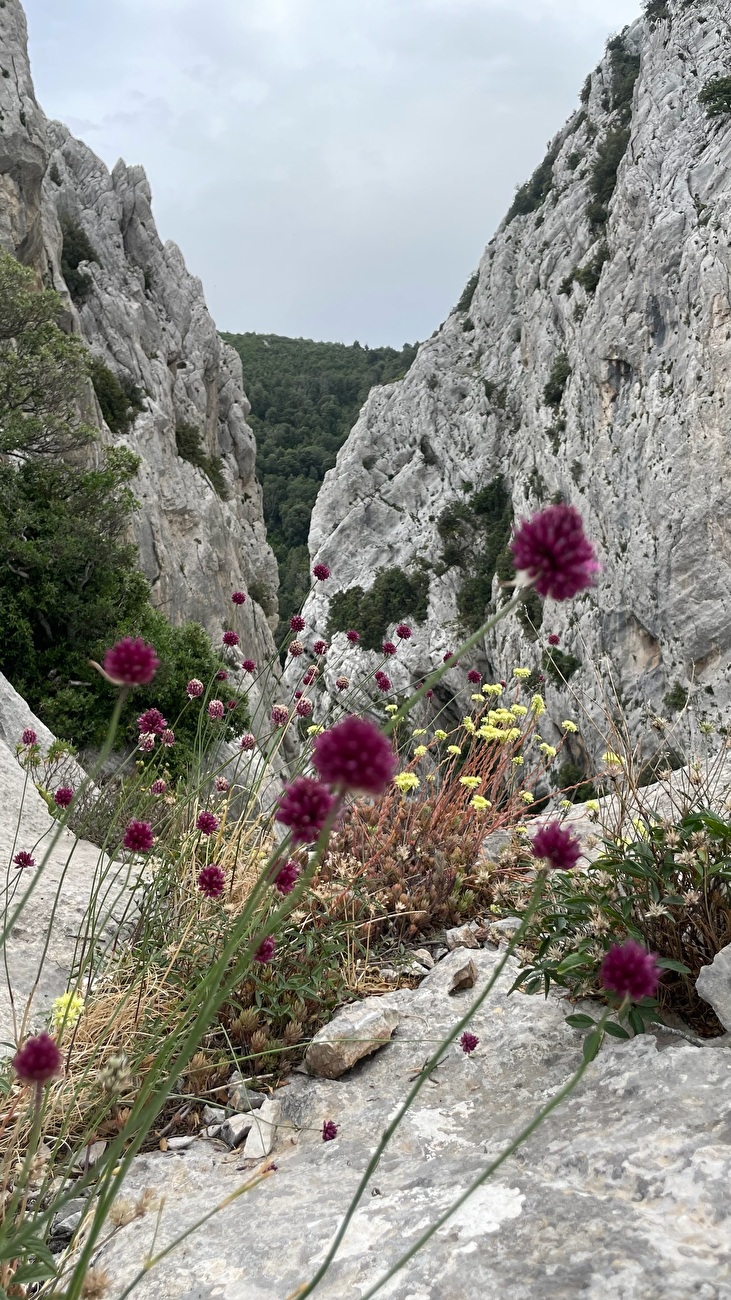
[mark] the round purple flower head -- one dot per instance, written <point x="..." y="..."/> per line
<point x="29" y="737"/>
<point x="131" y="662"/>
<point x="297" y="623"/>
<point x="280" y="715"/>
<point x="353" y="636"/>
<point x="24" y="859"/>
<point x="64" y="796"/>
<point x="167" y="738"/>
<point x="238" y="597"/>
<point x="138" y="837"/>
<point x="215" y="710"/>
<point x="446" y="658"/>
<point x="474" y="677"/>
<point x="468" y="1042"/>
<point x="194" y="688"/>
<point x="304" y="808"/>
<point x="321" y="572"/>
<point x="296" y="649"/>
<point x="231" y="705"/>
<point x="552" y="553"/>
<point x="206" y="823"/>
<point x="342" y="683"/>
<point x="222" y="675"/>
<point x="557" y="845"/>
<point x="383" y="683"/>
<point x="265" y="951"/>
<point x="151" y="720"/>
<point x="38" y="1060"/>
<point x="249" y="666"/>
<point x="287" y="876"/>
<point x="211" y="881"/>
<point x="554" y="639"/>
<point x="304" y="707"/>
<point x="222" y="784"/>
<point x="320" y="648"/>
<point x="230" y="638"/>
<point x="159" y="786"/>
<point x="355" y="755"/>
<point x="329" y="1130"/>
<point x="404" y="632"/>
<point x="247" y="741"/>
<point x="631" y="971"/>
<point x="146" y="742"/>
<point x="388" y="648"/>
<point x="311" y="674"/>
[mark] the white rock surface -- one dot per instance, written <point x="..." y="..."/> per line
<point x="353" y="1033"/>
<point x="714" y="985"/>
<point x="263" y="1131"/>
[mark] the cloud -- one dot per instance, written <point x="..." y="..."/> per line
<point x="329" y="168"/>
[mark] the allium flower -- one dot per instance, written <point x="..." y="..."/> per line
<point x="206" y="823"/>
<point x="222" y="785"/>
<point x="554" y="639"/>
<point x="216" y="710"/>
<point x="131" y="662"/>
<point x="194" y="688"/>
<point x="64" y="796"/>
<point x="304" y="707"/>
<point x="238" y="597"/>
<point x="280" y="715"/>
<point x="287" y="877"/>
<point x="474" y="677"/>
<point x="631" y="971"/>
<point x="552" y="553"/>
<point x="329" y="1130"/>
<point x="151" y="721"/>
<point x="167" y="738"/>
<point x="212" y="881"/>
<point x="446" y="658"/>
<point x="231" y="705"/>
<point x="146" y="742"/>
<point x="557" y="845"/>
<point x="353" y="636"/>
<point x="295" y="649"/>
<point x="38" y="1060"/>
<point x="138" y="837"/>
<point x="29" y="737"/>
<point x="383" y="683"/>
<point x="265" y="951"/>
<point x="249" y="666"/>
<point x="403" y="631"/>
<point x="305" y="807"/>
<point x="320" y="648"/>
<point x="321" y="572"/>
<point x="247" y="741"/>
<point x="159" y="786"/>
<point x="354" y="755"/>
<point x="297" y="623"/>
<point x="342" y="683"/>
<point x="24" y="859"/>
<point x="388" y="648"/>
<point x="310" y="675"/>
<point x="430" y="694"/>
<point x="230" y="638"/>
<point x="468" y="1042"/>
<point x="222" y="675"/>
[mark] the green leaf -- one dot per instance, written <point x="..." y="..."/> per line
<point x="569" y="963"/>
<point x="592" y="1043"/>
<point x="579" y="1021"/>
<point x="616" y="1030"/>
<point x="636" y="1021"/>
<point x="668" y="963"/>
<point x="38" y="1271"/>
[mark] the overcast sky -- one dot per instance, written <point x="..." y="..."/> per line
<point x="330" y="168"/>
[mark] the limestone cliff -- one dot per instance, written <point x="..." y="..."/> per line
<point x="590" y="357"/>
<point x="144" y="316"/>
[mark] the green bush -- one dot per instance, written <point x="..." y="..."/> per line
<point x="118" y="399"/>
<point x="468" y="293"/>
<point x="393" y="596"/>
<point x="716" y="97"/>
<point x="474" y="536"/>
<point x="603" y="179"/>
<point x="657" y="11"/>
<point x="571" y="778"/>
<point x="188" y="441"/>
<point x="533" y="194"/>
<point x="560" y="666"/>
<point x="588" y="276"/>
<point x="625" y="71"/>
<point x="530" y="614"/>
<point x="677" y="698"/>
<point x="76" y="249"/>
<point x="557" y="381"/>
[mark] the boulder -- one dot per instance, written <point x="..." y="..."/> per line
<point x="354" y="1033"/>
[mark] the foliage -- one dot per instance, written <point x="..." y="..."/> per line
<point x="676" y="698"/>
<point x="305" y="398"/>
<point x="475" y="536"/>
<point x="572" y="779"/>
<point x="531" y="196"/>
<point x="588" y="276"/>
<point x="657" y="11"/>
<point x="189" y="443"/>
<point x="557" y="380"/>
<point x="75" y="250"/>
<point x="716" y="96"/>
<point x="625" y="71"/>
<point x="668" y="888"/>
<point x="530" y="614"/>
<point x="119" y="399"/>
<point x="559" y="665"/>
<point x="393" y="596"/>
<point x="603" y="179"/>
<point x="468" y="293"/>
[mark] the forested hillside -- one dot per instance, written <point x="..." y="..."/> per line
<point x="305" y="398"/>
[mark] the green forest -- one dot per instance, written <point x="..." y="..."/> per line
<point x="305" y="398"/>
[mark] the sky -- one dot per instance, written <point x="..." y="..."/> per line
<point x="331" y="169"/>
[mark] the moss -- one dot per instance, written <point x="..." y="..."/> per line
<point x="531" y="196"/>
<point x="190" y="447"/>
<point x="557" y="381"/>
<point x="393" y="596"/>
<point x="603" y="180"/>
<point x="716" y="97"/>
<point x="560" y="666"/>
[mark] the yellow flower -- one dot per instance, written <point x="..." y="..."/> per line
<point x="66" y="1010"/>
<point x="548" y="750"/>
<point x="489" y="733"/>
<point x="537" y="706"/>
<point x="706" y="728"/>
<point x="454" y="749"/>
<point x="471" y="782"/>
<point x="501" y="716"/>
<point x="526" y="796"/>
<point x="407" y="781"/>
<point x="421" y="731"/>
<point x="517" y="761"/>
<point x="611" y="759"/>
<point x="469" y="726"/>
<point x="522" y="674"/>
<point x="477" y="699"/>
<point x="518" y="710"/>
<point x="513" y="734"/>
<point x="420" y="751"/>
<point x="565" y="804"/>
<point x="569" y="726"/>
<point x="314" y="730"/>
<point x="592" y="805"/>
<point x="640" y="827"/>
<point x="431" y="776"/>
<point x="480" y="804"/>
<point x="392" y="708"/>
<point x="493" y="688"/>
<point x="440" y="735"/>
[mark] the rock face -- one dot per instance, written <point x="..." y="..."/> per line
<point x="611" y="390"/>
<point x="622" y="1193"/>
<point x="714" y="985"/>
<point x="146" y="319"/>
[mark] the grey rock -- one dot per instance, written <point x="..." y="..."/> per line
<point x="463" y="975"/>
<point x="507" y="925"/>
<point x="439" y="954"/>
<point x="91" y="1155"/>
<point x="241" y="1097"/>
<point x="180" y="1143"/>
<point x="714" y="985"/>
<point x="65" y="1223"/>
<point x="15" y="716"/>
<point x="462" y="936"/>
<point x="263" y="1133"/>
<point x="236" y="1128"/>
<point x="424" y="957"/>
<point x="213" y="1115"/>
<point x="355" y="1032"/>
<point x="623" y="1192"/>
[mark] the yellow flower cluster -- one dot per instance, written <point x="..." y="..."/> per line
<point x="548" y="750"/>
<point x="492" y="688"/>
<point x="526" y="796"/>
<point x="407" y="781"/>
<point x="611" y="759"/>
<point x="592" y="806"/>
<point x="420" y="731"/>
<point x="480" y="804"/>
<point x="537" y="706"/>
<point x="454" y="749"/>
<point x="420" y="751"/>
<point x="494" y="733"/>
<point x="440" y="735"/>
<point x="517" y="761"/>
<point x="518" y="710"/>
<point x="66" y="1010"/>
<point x="314" y="730"/>
<point x="392" y="708"/>
<point x="569" y="726"/>
<point x="469" y="726"/>
<point x="471" y="782"/>
<point x="522" y="674"/>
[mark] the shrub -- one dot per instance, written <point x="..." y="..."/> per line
<point x="530" y="614"/>
<point x="188" y="441"/>
<point x="474" y="535"/>
<point x="603" y="180"/>
<point x="625" y="71"/>
<point x="118" y="399"/>
<point x="716" y="97"/>
<point x="76" y="249"/>
<point x="468" y="293"/>
<point x="559" y="665"/>
<point x="557" y="381"/>
<point x="657" y="11"/>
<point x="677" y="698"/>
<point x="586" y="90"/>
<point x="533" y="194"/>
<point x="588" y="276"/>
<point x="572" y="780"/>
<point x="54" y="173"/>
<point x="393" y="596"/>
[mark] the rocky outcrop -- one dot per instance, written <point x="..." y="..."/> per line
<point x="200" y="530"/>
<point x="588" y="359"/>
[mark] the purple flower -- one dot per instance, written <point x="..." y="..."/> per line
<point x="222" y="785"/>
<point x="64" y="796"/>
<point x="388" y="648"/>
<point x="557" y="845"/>
<point x="321" y="572"/>
<point x="206" y="823"/>
<point x="215" y="710"/>
<point x="159" y="786"/>
<point x="383" y="683"/>
<point x="131" y="662"/>
<point x="329" y="1130"/>
<point x="355" y="755"/>
<point x="222" y="675"/>
<point x="238" y="597"/>
<point x="320" y="648"/>
<point x="138" y="837"/>
<point x="151" y="720"/>
<point x="230" y="638"/>
<point x="468" y="1042"/>
<point x="249" y="666"/>
<point x="404" y="632"/>
<point x="631" y="971"/>
<point x="265" y="951"/>
<point x="342" y="683"/>
<point x="353" y="636"/>
<point x="38" y="1060"/>
<point x="211" y="881"/>
<point x="146" y="742"/>
<point x="304" y="707"/>
<point x="167" y="738"/>
<point x="247" y="741"/>
<point x="446" y="658"/>
<point x="474" y="677"/>
<point x="24" y="859"/>
<point x="231" y="705"/>
<point x="554" y="639"/>
<point x="429" y="694"/>
<point x="287" y="876"/>
<point x="310" y="675"/>
<point x="29" y="737"/>
<point x="280" y="715"/>
<point x="194" y="688"/>
<point x="296" y="649"/>
<point x="297" y="623"/>
<point x="552" y="553"/>
<point x="305" y="807"/>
